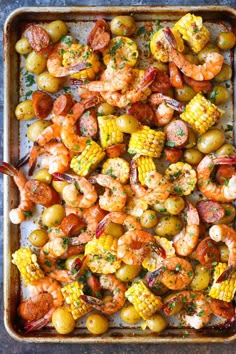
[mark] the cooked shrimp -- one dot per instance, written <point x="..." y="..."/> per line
<point x="54" y="62"/>
<point x="56" y="157"/>
<point x="26" y="206"/>
<point x="218" y="193"/>
<point x="114" y="197"/>
<point x="41" y="286"/>
<point x="134" y="246"/>
<point x="175" y="273"/>
<point x="70" y="138"/>
<point x="52" y="132"/>
<point x="226" y="234"/>
<point x="222" y="308"/>
<point x="35" y="307"/>
<point x="186" y="241"/>
<point x="129" y="222"/>
<point x="111" y="283"/>
<point x="132" y="94"/>
<point x="55" y="232"/>
<point x="197" y="312"/>
<point x="207" y="71"/>
<point x="164" y="108"/>
<point x="79" y="193"/>
<point x="113" y="79"/>
<point x="91" y="216"/>
<point x="158" y="187"/>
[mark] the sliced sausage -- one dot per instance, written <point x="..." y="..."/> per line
<point x="36" y="307"/>
<point x="143" y="112"/>
<point x="87" y="124"/>
<point x="72" y="224"/>
<point x="198" y="86"/>
<point x="224" y="173"/>
<point x="172" y="154"/>
<point x="177" y="133"/>
<point x="210" y="211"/>
<point x="161" y="82"/>
<point x="38" y="38"/>
<point x="94" y="285"/>
<point x="40" y="193"/>
<point x="175" y="76"/>
<point x="62" y="105"/>
<point x="207" y="253"/>
<point x="99" y="37"/>
<point x="42" y="104"/>
<point x="116" y="150"/>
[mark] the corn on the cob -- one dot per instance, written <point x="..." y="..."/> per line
<point x="226" y="289"/>
<point x="109" y="132"/>
<point x="135" y="207"/>
<point x="144" y="301"/>
<point x="153" y="259"/>
<point x="86" y="162"/>
<point x="123" y="48"/>
<point x="158" y="47"/>
<point x="76" y="306"/>
<point x="117" y="168"/>
<point x="85" y="54"/>
<point x="183" y="178"/>
<point x="145" y="164"/>
<point x="201" y="113"/>
<point x="26" y="262"/>
<point x="101" y="254"/>
<point x="147" y="142"/>
<point x="193" y="31"/>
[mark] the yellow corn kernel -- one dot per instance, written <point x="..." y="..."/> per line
<point x="183" y="178"/>
<point x="72" y="296"/>
<point x="88" y="160"/>
<point x="121" y="50"/>
<point x="147" y="142"/>
<point x="85" y="54"/>
<point x="26" y="262"/>
<point x="193" y="31"/>
<point x="226" y="289"/>
<point x="117" y="168"/>
<point x="144" y="301"/>
<point x="201" y="113"/>
<point x="145" y="164"/>
<point x="109" y="132"/>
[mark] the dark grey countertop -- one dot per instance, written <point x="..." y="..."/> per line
<point x="7" y="344"/>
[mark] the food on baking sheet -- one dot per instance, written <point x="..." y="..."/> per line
<point x="132" y="171"/>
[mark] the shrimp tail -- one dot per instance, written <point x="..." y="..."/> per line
<point x="170" y="37"/>
<point x="35" y="325"/>
<point x="62" y="177"/>
<point x="225" y="160"/>
<point x="23" y="160"/>
<point x="158" y="249"/>
<point x="91" y="300"/>
<point x="7" y="169"/>
<point x="172" y="103"/>
<point x="149" y="77"/>
<point x="226" y="274"/>
<point x="151" y="277"/>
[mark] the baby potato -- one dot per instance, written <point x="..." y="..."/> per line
<point x="38" y="237"/>
<point x="148" y="219"/>
<point x="169" y="226"/>
<point x="210" y="141"/>
<point x="219" y="94"/>
<point x="36" y="128"/>
<point x="225" y="73"/>
<point x="184" y="94"/>
<point x="127" y="123"/>
<point x="105" y="109"/>
<point x="226" y="40"/>
<point x="193" y="156"/>
<point x="22" y="46"/>
<point x="224" y="253"/>
<point x="63" y="321"/>
<point x="160" y="208"/>
<point x="24" y="110"/>
<point x="156" y="323"/>
<point x="192" y="139"/>
<point x="174" y="305"/>
<point x="128" y="272"/>
<point x="56" y="30"/>
<point x="43" y="176"/>
<point x="97" y="324"/>
<point x="115" y="230"/>
<point x="129" y="315"/>
<point x="230" y="214"/>
<point x="209" y="48"/>
<point x="123" y="26"/>
<point x="174" y="205"/>
<point x="201" y="278"/>
<point x="49" y="83"/>
<point x="59" y="185"/>
<point x="35" y="63"/>
<point x="226" y="150"/>
<point x="53" y="215"/>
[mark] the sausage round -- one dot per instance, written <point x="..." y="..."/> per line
<point x="143" y="112"/>
<point x="42" y="104"/>
<point x="210" y="211"/>
<point x="38" y="38"/>
<point x="36" y="307"/>
<point x="177" y="133"/>
<point x="62" y="105"/>
<point x="172" y="154"/>
<point x="87" y="124"/>
<point x="198" y="86"/>
<point x="207" y="253"/>
<point x="161" y="82"/>
<point x="116" y="150"/>
<point x="72" y="224"/>
<point x="40" y="193"/>
<point x="224" y="173"/>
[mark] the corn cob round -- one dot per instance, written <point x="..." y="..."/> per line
<point x="226" y="289"/>
<point x="108" y="131"/>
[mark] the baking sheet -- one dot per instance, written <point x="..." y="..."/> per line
<point x="80" y="21"/>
